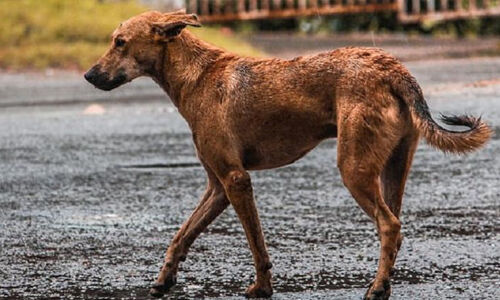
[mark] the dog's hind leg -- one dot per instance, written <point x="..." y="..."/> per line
<point x="212" y="204"/>
<point x="395" y="174"/>
<point x="365" y="143"/>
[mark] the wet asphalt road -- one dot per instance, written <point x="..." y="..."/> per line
<point x="76" y="222"/>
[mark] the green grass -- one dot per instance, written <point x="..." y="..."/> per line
<point x="37" y="34"/>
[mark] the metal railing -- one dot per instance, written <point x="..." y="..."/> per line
<point x="229" y="10"/>
<point x="408" y="11"/>
<point x="414" y="11"/>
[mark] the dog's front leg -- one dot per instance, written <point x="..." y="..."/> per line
<point x="238" y="188"/>
<point x="212" y="204"/>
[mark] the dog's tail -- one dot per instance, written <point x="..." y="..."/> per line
<point x="446" y="140"/>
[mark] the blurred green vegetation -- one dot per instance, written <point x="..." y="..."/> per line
<point x="73" y="34"/>
<point x="59" y="34"/>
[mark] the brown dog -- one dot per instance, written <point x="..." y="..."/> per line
<point x="252" y="114"/>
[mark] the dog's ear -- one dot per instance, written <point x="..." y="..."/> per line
<point x="173" y="25"/>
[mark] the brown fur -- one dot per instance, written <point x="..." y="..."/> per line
<point x="252" y="114"/>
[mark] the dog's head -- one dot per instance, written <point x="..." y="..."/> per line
<point x="136" y="47"/>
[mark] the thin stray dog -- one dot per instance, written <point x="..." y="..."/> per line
<point x="254" y="114"/>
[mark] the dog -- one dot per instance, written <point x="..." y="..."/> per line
<point x="253" y="114"/>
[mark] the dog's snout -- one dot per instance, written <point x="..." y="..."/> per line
<point x="92" y="74"/>
<point x="102" y="80"/>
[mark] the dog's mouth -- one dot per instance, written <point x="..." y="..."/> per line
<point x="102" y="80"/>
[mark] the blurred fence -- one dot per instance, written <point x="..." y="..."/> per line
<point x="408" y="11"/>
<point x="414" y="11"/>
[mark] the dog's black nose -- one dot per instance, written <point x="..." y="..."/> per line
<point x="91" y="74"/>
<point x="88" y="76"/>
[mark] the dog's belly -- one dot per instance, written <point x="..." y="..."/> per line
<point x="276" y="126"/>
<point x="282" y="147"/>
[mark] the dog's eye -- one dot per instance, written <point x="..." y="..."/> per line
<point x="119" y="42"/>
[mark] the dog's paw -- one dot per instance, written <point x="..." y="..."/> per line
<point x="378" y="292"/>
<point x="257" y="291"/>
<point x="159" y="289"/>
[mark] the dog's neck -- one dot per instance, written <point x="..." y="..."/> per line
<point x="181" y="65"/>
